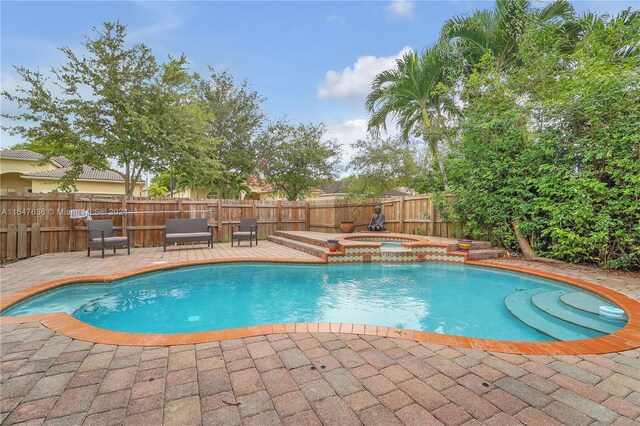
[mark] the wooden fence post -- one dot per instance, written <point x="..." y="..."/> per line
<point x="253" y="209"/>
<point x="219" y="219"/>
<point x="35" y="239"/>
<point x="12" y="241"/>
<point x="22" y="240"/>
<point x="401" y="219"/>
<point x="279" y="216"/>
<point x="124" y="216"/>
<point x="432" y="214"/>
<point x="307" y="216"/>
<point x="72" y="226"/>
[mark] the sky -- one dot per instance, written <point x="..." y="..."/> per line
<point x="313" y="61"/>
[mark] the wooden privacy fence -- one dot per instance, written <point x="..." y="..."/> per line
<point x="33" y="224"/>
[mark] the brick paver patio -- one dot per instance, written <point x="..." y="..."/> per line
<point x="297" y="378"/>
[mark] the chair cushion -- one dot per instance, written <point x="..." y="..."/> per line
<point x="189" y="235"/>
<point x="115" y="239"/>
<point x="243" y="234"/>
<point x="108" y="242"/>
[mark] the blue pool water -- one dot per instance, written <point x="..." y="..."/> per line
<point x="442" y="298"/>
<point x="390" y="244"/>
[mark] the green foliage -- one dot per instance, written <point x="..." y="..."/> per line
<point x="382" y="164"/>
<point x="417" y="93"/>
<point x="157" y="190"/>
<point x="553" y="144"/>
<point x="297" y="159"/>
<point x="236" y="119"/>
<point x="116" y="104"/>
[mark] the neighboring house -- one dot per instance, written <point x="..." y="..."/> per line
<point x="194" y="194"/>
<point x="20" y="171"/>
<point x="264" y="191"/>
<point x="339" y="189"/>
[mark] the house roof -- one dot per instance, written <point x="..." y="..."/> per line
<point x="62" y="161"/>
<point x="400" y="192"/>
<point x="88" y="173"/>
<point x="336" y="187"/>
<point x="21" y="154"/>
<point x="63" y="164"/>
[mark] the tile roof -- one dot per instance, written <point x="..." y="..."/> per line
<point x="64" y="164"/>
<point x="62" y="161"/>
<point x="88" y="173"/>
<point x="24" y="154"/>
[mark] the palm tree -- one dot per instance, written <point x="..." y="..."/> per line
<point x="499" y="31"/>
<point x="624" y="20"/>
<point x="414" y="93"/>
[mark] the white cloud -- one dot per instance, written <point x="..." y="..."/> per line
<point x="8" y="82"/>
<point x="356" y="81"/>
<point x="402" y="9"/>
<point x="163" y="18"/>
<point x="350" y="131"/>
<point x="347" y="132"/>
<point x="337" y="19"/>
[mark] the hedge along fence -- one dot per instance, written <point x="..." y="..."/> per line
<point x="33" y="224"/>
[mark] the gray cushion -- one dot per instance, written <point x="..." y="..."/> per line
<point x="190" y="235"/>
<point x="114" y="239"/>
<point x="183" y="226"/>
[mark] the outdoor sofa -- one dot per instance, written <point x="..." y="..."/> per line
<point x="187" y="230"/>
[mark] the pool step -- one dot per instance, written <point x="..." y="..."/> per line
<point x="316" y="245"/>
<point x="302" y="238"/>
<point x="475" y="245"/>
<point x="549" y="302"/>
<point x="519" y="304"/>
<point x="486" y="253"/>
<point x="311" y="249"/>
<point x="586" y="302"/>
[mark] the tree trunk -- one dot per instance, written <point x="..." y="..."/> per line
<point x="433" y="145"/>
<point x="526" y="248"/>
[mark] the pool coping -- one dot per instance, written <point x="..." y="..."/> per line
<point x="626" y="338"/>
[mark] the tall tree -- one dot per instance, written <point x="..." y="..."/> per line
<point x="415" y="94"/>
<point x="297" y="158"/>
<point x="499" y="31"/>
<point x="558" y="170"/>
<point x="381" y="165"/>
<point x="235" y="122"/>
<point x="115" y="104"/>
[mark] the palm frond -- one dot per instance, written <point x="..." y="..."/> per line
<point x="558" y="9"/>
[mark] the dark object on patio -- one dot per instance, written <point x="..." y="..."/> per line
<point x="187" y="230"/>
<point x="377" y="220"/>
<point x="100" y="235"/>
<point x="247" y="230"/>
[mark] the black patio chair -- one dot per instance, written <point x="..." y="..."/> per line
<point x="247" y="230"/>
<point x="101" y="235"/>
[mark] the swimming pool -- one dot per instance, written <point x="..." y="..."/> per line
<point x="442" y="298"/>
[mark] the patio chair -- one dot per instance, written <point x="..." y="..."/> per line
<point x="247" y="230"/>
<point x="101" y="235"/>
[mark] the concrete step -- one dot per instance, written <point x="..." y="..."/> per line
<point x="476" y="245"/>
<point x="302" y="239"/>
<point x="311" y="249"/>
<point x="488" y="253"/>
<point x="549" y="302"/>
<point x="520" y="306"/>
